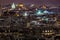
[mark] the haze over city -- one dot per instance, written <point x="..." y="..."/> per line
<point x="47" y="2"/>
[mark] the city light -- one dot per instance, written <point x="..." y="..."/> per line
<point x="25" y="14"/>
<point x="39" y="12"/>
<point x="32" y="5"/>
<point x="45" y="12"/>
<point x="44" y="7"/>
<point x="13" y="6"/>
<point x="17" y="14"/>
<point x="21" y="5"/>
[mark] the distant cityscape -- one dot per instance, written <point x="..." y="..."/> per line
<point x="29" y="22"/>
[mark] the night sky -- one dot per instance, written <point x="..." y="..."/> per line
<point x="47" y="2"/>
